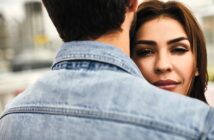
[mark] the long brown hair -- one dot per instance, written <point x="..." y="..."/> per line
<point x="149" y="10"/>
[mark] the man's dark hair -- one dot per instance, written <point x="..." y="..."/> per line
<point x="86" y="19"/>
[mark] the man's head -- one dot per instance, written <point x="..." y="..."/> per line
<point x="86" y="19"/>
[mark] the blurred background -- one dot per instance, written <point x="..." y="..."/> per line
<point x="29" y="41"/>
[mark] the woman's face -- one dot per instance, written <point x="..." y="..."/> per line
<point x="164" y="55"/>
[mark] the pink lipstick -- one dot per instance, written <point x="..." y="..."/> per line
<point x="166" y="84"/>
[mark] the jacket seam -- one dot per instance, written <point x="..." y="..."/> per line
<point x="107" y="116"/>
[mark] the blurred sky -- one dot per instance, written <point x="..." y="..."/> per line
<point x="11" y="8"/>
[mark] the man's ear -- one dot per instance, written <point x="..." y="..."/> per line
<point x="133" y="4"/>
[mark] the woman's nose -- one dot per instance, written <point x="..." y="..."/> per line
<point x="162" y="64"/>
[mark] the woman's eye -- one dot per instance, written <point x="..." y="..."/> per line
<point x="144" y="52"/>
<point x="179" y="50"/>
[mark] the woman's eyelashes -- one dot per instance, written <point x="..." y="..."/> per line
<point x="176" y="49"/>
<point x="145" y="52"/>
<point x="179" y="49"/>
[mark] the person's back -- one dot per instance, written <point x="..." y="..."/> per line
<point x="95" y="91"/>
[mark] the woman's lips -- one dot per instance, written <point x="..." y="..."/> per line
<point x="166" y="84"/>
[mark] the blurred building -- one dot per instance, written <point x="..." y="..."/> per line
<point x="3" y="32"/>
<point x="31" y="30"/>
<point x="23" y="37"/>
<point x="29" y="40"/>
<point x="4" y="44"/>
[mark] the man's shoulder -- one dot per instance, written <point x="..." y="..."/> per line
<point x="115" y="96"/>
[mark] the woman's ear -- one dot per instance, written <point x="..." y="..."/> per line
<point x="196" y="72"/>
<point x="133" y="4"/>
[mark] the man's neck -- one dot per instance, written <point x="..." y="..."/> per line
<point x="119" y="40"/>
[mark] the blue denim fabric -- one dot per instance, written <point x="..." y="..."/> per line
<point x="95" y="92"/>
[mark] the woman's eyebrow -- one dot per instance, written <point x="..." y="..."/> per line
<point x="146" y="42"/>
<point x="176" y="40"/>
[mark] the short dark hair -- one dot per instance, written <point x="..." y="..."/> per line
<point x="86" y="19"/>
<point x="152" y="9"/>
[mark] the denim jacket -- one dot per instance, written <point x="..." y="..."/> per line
<point x="95" y="92"/>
